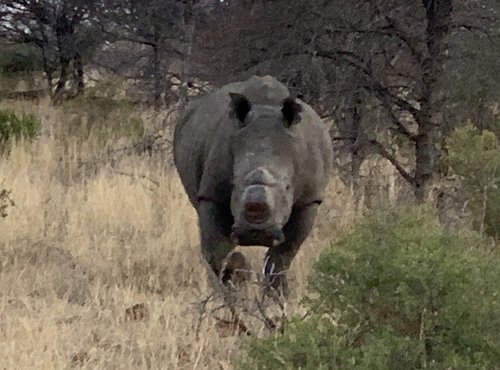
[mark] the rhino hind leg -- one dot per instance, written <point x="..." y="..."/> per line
<point x="279" y="259"/>
<point x="216" y="246"/>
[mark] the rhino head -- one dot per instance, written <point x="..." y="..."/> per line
<point x="264" y="147"/>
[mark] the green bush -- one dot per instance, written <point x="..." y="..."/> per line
<point x="395" y="293"/>
<point x="14" y="127"/>
<point x="475" y="156"/>
<point x="19" y="58"/>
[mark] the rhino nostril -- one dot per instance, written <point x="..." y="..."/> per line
<point x="256" y="212"/>
<point x="256" y="207"/>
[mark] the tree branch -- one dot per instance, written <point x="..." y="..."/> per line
<point x="381" y="150"/>
<point x="381" y="92"/>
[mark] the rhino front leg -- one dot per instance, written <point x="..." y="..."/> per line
<point x="215" y="227"/>
<point x="278" y="259"/>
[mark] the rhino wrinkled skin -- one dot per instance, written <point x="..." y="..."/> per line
<point x="254" y="163"/>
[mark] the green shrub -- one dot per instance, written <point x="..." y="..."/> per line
<point x="475" y="156"/>
<point x="14" y="127"/>
<point x="395" y="293"/>
<point x="19" y="58"/>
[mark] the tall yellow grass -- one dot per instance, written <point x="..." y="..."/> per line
<point x="79" y="249"/>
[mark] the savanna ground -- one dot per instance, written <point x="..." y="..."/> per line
<point x="100" y="265"/>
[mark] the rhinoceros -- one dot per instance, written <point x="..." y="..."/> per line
<point x="254" y="163"/>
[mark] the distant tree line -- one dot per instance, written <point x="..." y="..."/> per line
<point x="391" y="74"/>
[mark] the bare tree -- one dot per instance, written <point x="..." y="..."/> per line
<point x="162" y="27"/>
<point x="386" y="71"/>
<point x="58" y="28"/>
<point x="473" y="72"/>
<point x="376" y="66"/>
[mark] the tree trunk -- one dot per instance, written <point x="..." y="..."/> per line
<point x="63" y="78"/>
<point x="424" y="163"/>
<point x="189" y="20"/>
<point x="157" y="75"/>
<point x="438" y="16"/>
<point x="355" y="145"/>
<point x="47" y="68"/>
<point x="80" y="85"/>
<point x="64" y="30"/>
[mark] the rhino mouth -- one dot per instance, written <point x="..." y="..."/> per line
<point x="269" y="237"/>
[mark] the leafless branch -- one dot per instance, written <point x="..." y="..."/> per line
<point x="381" y="150"/>
<point x="382" y="92"/>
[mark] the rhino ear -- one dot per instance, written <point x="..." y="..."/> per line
<point x="240" y="106"/>
<point x="291" y="112"/>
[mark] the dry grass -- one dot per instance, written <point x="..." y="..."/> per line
<point x="101" y="270"/>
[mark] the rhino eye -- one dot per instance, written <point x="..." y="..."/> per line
<point x="287" y="187"/>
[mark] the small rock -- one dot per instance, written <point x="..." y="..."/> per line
<point x="174" y="80"/>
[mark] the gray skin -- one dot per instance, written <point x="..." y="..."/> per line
<point x="254" y="163"/>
